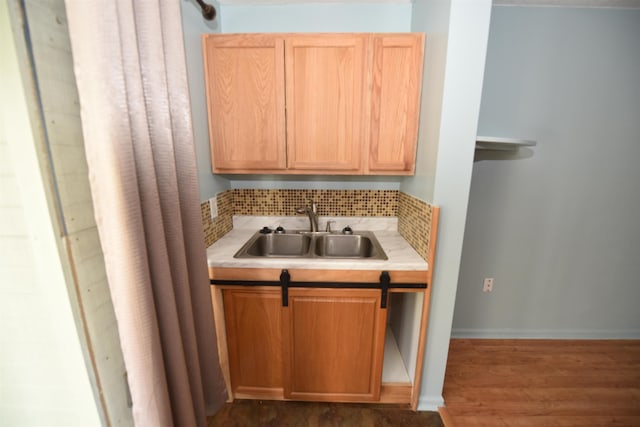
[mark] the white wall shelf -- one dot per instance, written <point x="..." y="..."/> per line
<point x="501" y="144"/>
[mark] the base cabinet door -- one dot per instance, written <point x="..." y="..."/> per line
<point x="253" y="321"/>
<point x="334" y="344"/>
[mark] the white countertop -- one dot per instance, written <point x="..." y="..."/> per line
<point x="401" y="255"/>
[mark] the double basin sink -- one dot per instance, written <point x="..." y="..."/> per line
<point x="306" y="244"/>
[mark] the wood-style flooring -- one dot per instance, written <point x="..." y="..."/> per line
<point x="542" y="383"/>
<point x="259" y="413"/>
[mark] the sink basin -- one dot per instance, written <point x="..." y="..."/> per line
<point x="305" y="244"/>
<point x="345" y="246"/>
<point x="279" y="245"/>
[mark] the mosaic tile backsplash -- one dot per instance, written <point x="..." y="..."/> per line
<point x="414" y="223"/>
<point x="223" y="223"/>
<point x="329" y="202"/>
<point x="414" y="216"/>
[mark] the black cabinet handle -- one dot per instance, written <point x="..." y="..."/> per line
<point x="285" y="280"/>
<point x="385" y="281"/>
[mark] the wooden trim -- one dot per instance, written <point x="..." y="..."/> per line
<point x="350" y="276"/>
<point x="259" y="393"/>
<point x="223" y="273"/>
<point x="390" y="393"/>
<point x="405" y="290"/>
<point x="422" y="342"/>
<point x="317" y="171"/>
<point x="221" y="336"/>
<point x="433" y="239"/>
<point x="395" y="393"/>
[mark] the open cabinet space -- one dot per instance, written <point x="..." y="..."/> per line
<point x="405" y="334"/>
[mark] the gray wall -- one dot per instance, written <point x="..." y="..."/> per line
<point x="557" y="225"/>
<point x="457" y="32"/>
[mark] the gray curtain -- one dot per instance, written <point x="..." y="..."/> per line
<point x="130" y="70"/>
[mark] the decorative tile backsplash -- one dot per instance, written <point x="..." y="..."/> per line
<point x="414" y="223"/>
<point x="329" y="202"/>
<point x="414" y="215"/>
<point x="223" y="223"/>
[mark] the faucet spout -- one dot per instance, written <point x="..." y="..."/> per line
<point x="312" y="213"/>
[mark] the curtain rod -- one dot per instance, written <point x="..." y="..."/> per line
<point x="208" y="11"/>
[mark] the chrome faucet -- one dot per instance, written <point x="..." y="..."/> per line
<point x="312" y="212"/>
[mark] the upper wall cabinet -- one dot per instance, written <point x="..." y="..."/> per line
<point x="313" y="103"/>
<point x="325" y="115"/>
<point x="245" y="99"/>
<point x="395" y="103"/>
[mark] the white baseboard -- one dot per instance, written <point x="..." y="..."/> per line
<point x="545" y="333"/>
<point x="430" y="403"/>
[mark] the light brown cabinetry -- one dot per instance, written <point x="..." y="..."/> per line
<point x="253" y="318"/>
<point x="334" y="344"/>
<point x="314" y="103"/>
<point x="327" y="344"/>
<point x="325" y="116"/>
<point x="245" y="100"/>
<point x="320" y="344"/>
<point x="395" y="103"/>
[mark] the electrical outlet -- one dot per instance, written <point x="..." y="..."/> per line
<point x="213" y="207"/>
<point x="488" y="284"/>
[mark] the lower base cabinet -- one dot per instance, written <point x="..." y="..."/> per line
<point x="296" y="339"/>
<point x="326" y="345"/>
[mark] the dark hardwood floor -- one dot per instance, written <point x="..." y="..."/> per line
<point x="542" y="383"/>
<point x="260" y="413"/>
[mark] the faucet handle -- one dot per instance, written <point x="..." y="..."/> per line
<point x="328" y="228"/>
<point x="312" y="205"/>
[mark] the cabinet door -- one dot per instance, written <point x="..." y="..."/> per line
<point x="245" y="93"/>
<point x="395" y="103"/>
<point x="325" y="81"/>
<point x="334" y="344"/>
<point x="253" y="321"/>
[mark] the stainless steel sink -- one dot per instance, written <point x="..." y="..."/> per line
<point x="279" y="245"/>
<point x="346" y="246"/>
<point x="305" y="244"/>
